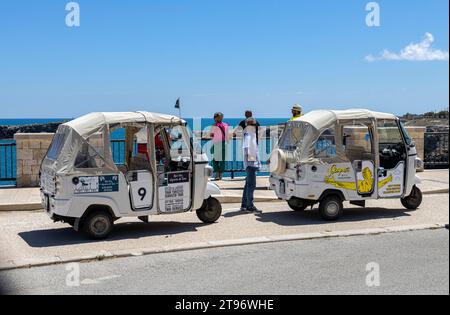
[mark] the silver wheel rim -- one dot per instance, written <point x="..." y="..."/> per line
<point x="332" y="209"/>
<point x="99" y="225"/>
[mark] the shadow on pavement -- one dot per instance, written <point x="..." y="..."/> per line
<point x="311" y="217"/>
<point x="232" y="214"/>
<point x="122" y="231"/>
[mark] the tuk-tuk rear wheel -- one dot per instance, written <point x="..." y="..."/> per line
<point x="414" y="200"/>
<point x="331" y="208"/>
<point x="98" y="225"/>
<point x="211" y="211"/>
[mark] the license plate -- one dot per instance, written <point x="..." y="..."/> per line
<point x="282" y="187"/>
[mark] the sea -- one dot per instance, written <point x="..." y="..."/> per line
<point x="195" y="124"/>
<point x="8" y="154"/>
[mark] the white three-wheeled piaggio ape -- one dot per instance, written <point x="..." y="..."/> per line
<point x="160" y="173"/>
<point x="329" y="157"/>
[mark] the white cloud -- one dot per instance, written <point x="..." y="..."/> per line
<point x="422" y="51"/>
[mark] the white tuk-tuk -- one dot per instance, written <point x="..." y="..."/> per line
<point x="329" y="157"/>
<point x="160" y="173"/>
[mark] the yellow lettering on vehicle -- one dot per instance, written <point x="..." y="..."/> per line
<point x="338" y="170"/>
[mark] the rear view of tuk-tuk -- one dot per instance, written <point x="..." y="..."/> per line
<point x="329" y="157"/>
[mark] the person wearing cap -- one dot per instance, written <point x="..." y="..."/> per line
<point x="252" y="165"/>
<point x="220" y="136"/>
<point x="296" y="112"/>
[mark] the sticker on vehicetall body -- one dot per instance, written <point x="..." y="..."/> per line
<point x="175" y="196"/>
<point x="97" y="184"/>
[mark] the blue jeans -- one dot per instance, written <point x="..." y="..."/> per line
<point x="249" y="189"/>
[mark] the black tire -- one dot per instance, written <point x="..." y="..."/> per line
<point x="98" y="225"/>
<point x="211" y="211"/>
<point x="331" y="208"/>
<point x="414" y="200"/>
<point x="297" y="205"/>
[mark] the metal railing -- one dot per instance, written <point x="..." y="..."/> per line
<point x="435" y="147"/>
<point x="436" y="150"/>
<point x="7" y="163"/>
<point x="233" y="166"/>
<point x="118" y="151"/>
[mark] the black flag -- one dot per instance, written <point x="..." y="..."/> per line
<point x="177" y="104"/>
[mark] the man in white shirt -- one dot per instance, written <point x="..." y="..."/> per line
<point x="252" y="164"/>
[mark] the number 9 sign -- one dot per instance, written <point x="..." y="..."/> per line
<point x="142" y="191"/>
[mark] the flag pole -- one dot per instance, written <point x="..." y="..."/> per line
<point x="178" y="106"/>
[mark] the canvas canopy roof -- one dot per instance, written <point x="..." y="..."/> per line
<point x="72" y="136"/>
<point x="324" y="118"/>
<point x="313" y="124"/>
<point x="92" y="123"/>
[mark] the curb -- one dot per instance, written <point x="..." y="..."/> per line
<point x="21" y="207"/>
<point x="104" y="255"/>
<point x="227" y="199"/>
<point x="437" y="191"/>
<point x="224" y="199"/>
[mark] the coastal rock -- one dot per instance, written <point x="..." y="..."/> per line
<point x="7" y="132"/>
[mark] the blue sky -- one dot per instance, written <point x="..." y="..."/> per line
<point x="216" y="55"/>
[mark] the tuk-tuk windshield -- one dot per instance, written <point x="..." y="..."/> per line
<point x="57" y="145"/>
<point x="408" y="138"/>
<point x="91" y="153"/>
<point x="294" y="135"/>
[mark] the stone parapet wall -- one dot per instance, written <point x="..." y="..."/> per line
<point x="418" y="135"/>
<point x="31" y="149"/>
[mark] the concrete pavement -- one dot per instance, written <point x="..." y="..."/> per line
<point x="31" y="239"/>
<point x="409" y="263"/>
<point x="20" y="199"/>
<point x="17" y="199"/>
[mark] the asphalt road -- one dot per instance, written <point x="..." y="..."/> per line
<point x="31" y="237"/>
<point x="409" y="263"/>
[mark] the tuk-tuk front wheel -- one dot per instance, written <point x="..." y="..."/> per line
<point x="297" y="204"/>
<point x="331" y="208"/>
<point x="98" y="225"/>
<point x="211" y="211"/>
<point x="414" y="200"/>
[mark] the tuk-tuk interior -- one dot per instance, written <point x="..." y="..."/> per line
<point x="162" y="149"/>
